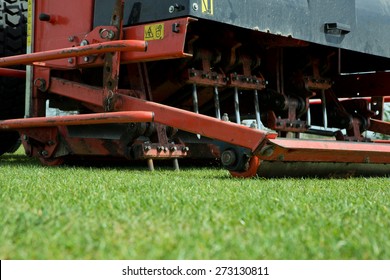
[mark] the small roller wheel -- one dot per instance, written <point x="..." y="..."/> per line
<point x="251" y="171"/>
<point x="13" y="30"/>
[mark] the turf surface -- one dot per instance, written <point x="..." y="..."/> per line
<point x="130" y="213"/>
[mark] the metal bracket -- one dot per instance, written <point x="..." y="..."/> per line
<point x="336" y="28"/>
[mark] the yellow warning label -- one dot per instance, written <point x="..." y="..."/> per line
<point x="29" y="22"/>
<point x="208" y="7"/>
<point x="154" y="32"/>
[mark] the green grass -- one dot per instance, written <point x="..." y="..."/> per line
<point x="127" y="213"/>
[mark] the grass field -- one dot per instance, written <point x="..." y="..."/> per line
<point x="123" y="213"/>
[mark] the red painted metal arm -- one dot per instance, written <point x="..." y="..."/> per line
<point x="114" y="46"/>
<point x="5" y="72"/>
<point x="87" y="119"/>
<point x="380" y="126"/>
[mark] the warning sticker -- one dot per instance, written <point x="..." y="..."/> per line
<point x="154" y="32"/>
<point x="208" y="7"/>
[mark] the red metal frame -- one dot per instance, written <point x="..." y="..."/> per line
<point x="200" y="124"/>
<point x="106" y="47"/>
<point x="87" y="119"/>
<point x="326" y="151"/>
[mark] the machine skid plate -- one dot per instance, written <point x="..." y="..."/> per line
<point x="291" y="150"/>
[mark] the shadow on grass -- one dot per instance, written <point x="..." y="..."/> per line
<point x="18" y="160"/>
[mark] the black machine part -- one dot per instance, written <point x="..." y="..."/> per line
<point x="13" y="32"/>
<point x="356" y="25"/>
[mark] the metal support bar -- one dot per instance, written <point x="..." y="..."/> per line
<point x="87" y="119"/>
<point x="106" y="47"/>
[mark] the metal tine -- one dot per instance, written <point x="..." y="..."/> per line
<point x="216" y="102"/>
<point x="150" y="164"/>
<point x="324" y="111"/>
<point x="309" y="116"/>
<point x="195" y="98"/>
<point x="176" y="166"/>
<point x="257" y="108"/>
<point x="195" y="102"/>
<point x="237" y="105"/>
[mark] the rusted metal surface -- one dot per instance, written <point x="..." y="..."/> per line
<point x="87" y="119"/>
<point x="115" y="46"/>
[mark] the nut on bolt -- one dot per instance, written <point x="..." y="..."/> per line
<point x="40" y="83"/>
<point x="195" y="6"/>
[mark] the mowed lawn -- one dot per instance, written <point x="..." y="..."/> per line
<point x="131" y="213"/>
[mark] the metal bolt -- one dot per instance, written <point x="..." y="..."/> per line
<point x="44" y="153"/>
<point x="171" y="9"/>
<point x="84" y="43"/>
<point x="107" y="34"/>
<point x="173" y="149"/>
<point x="147" y="148"/>
<point x="86" y="59"/>
<point x="160" y="148"/>
<point x="195" y="6"/>
<point x="71" y="38"/>
<point x="70" y="60"/>
<point x="40" y="84"/>
<point x="185" y="149"/>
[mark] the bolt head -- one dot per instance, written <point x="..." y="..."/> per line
<point x="195" y="6"/>
<point x="171" y="9"/>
